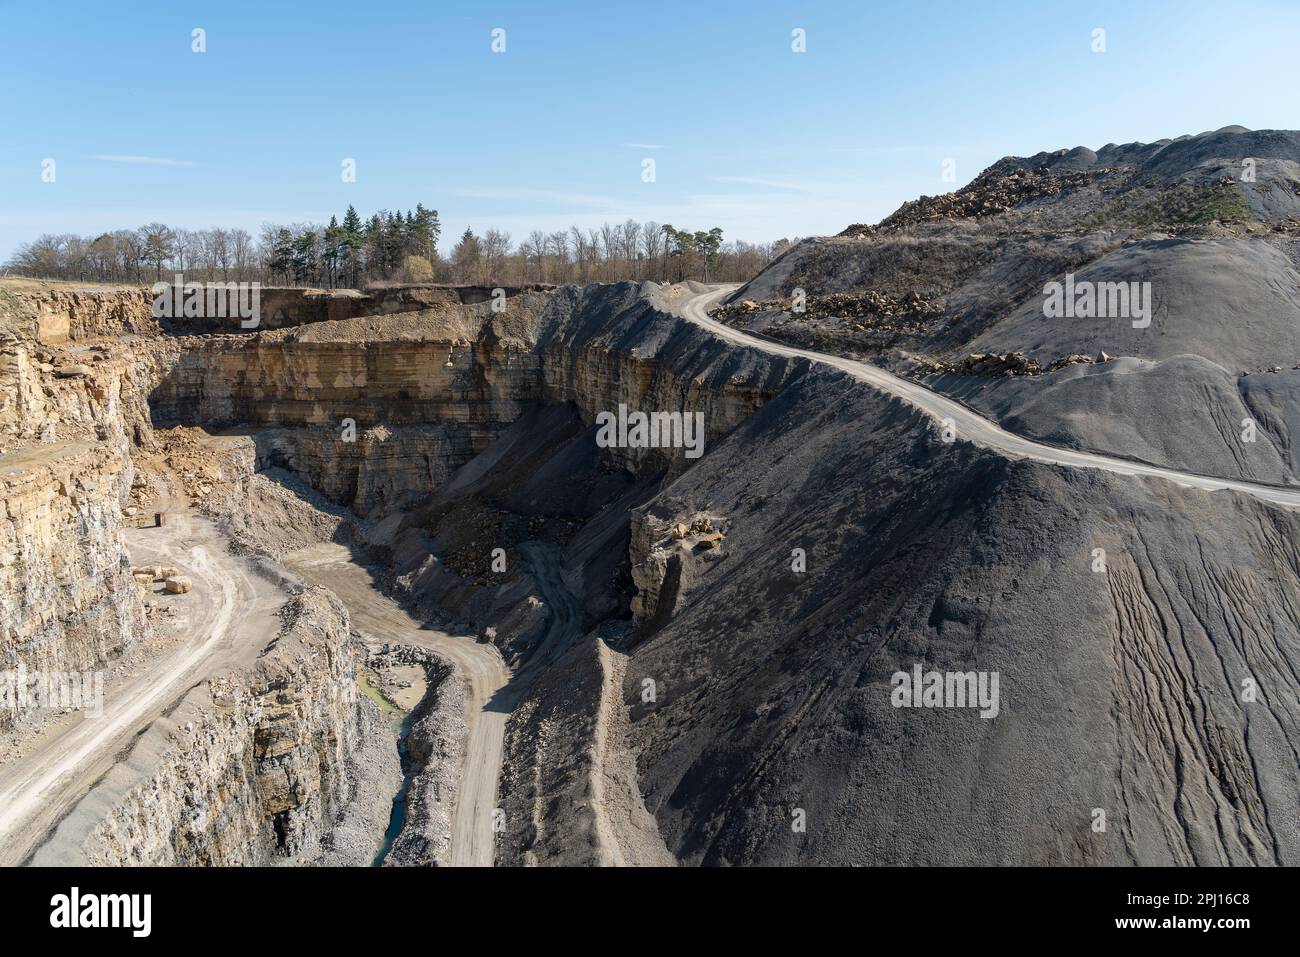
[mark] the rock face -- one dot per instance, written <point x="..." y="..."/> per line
<point x="68" y="602"/>
<point x="607" y="345"/>
<point x="665" y="555"/>
<point x="55" y="315"/>
<point x="376" y="412"/>
<point x="825" y="541"/>
<point x="373" y="412"/>
<point x="262" y="772"/>
<point x="386" y="468"/>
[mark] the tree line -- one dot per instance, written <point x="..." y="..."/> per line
<point x="393" y="247"/>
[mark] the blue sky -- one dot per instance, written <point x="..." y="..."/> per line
<point x="745" y="133"/>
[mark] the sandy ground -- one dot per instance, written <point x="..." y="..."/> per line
<point x="402" y="685"/>
<point x="231" y="614"/>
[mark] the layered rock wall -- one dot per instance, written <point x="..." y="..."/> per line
<point x="261" y="772"/>
<point x="67" y="599"/>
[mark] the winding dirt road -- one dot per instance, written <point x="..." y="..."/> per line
<point x="231" y="615"/>
<point x="480" y="665"/>
<point x="492" y="692"/>
<point x="969" y="425"/>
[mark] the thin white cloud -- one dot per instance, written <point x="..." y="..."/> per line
<point x="769" y="183"/>
<point x="527" y="195"/>
<point x="141" y="160"/>
<point x="896" y="150"/>
<point x="645" y="146"/>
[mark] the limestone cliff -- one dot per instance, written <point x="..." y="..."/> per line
<point x="260" y="772"/>
<point x="67" y="423"/>
<point x="67" y="599"/>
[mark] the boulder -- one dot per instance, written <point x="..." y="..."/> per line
<point x="711" y="540"/>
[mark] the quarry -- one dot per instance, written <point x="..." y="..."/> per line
<point x="385" y="580"/>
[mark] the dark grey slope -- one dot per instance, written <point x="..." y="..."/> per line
<point x="1119" y="690"/>
<point x="1274" y="401"/>
<point x="1211" y="157"/>
<point x="1235" y="302"/>
<point x="1184" y="412"/>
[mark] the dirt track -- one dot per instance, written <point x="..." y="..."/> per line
<point x="968" y="424"/>
<point x="480" y="665"/>
<point x="231" y="616"/>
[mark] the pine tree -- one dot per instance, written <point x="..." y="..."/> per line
<point x="332" y="248"/>
<point x="281" y="261"/>
<point x="353" y="242"/>
<point x="304" y="256"/>
<point x="427" y="231"/>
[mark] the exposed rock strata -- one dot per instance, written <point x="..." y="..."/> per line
<point x="261" y="772"/>
<point x="68" y="602"/>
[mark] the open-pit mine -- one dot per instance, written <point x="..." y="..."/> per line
<point x="871" y="560"/>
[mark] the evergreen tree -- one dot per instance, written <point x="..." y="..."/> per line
<point x="332" y="249"/>
<point x="353" y="243"/>
<point x="281" y="261"/>
<point x="427" y="231"/>
<point x="304" y="256"/>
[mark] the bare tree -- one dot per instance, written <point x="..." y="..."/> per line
<point x="652" y="245"/>
<point x="534" y="248"/>
<point x="631" y="234"/>
<point x="496" y="249"/>
<point x="241" y="251"/>
<point x="558" y="244"/>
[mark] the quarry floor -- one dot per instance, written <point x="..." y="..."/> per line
<point x="380" y="619"/>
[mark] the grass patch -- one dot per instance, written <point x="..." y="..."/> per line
<point x="1182" y="206"/>
<point x="368" y="682"/>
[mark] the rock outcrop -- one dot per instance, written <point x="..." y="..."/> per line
<point x="68" y="602"/>
<point x="260" y="771"/>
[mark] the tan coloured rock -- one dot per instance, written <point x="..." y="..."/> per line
<point x="710" y="541"/>
<point x="70" y="602"/>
